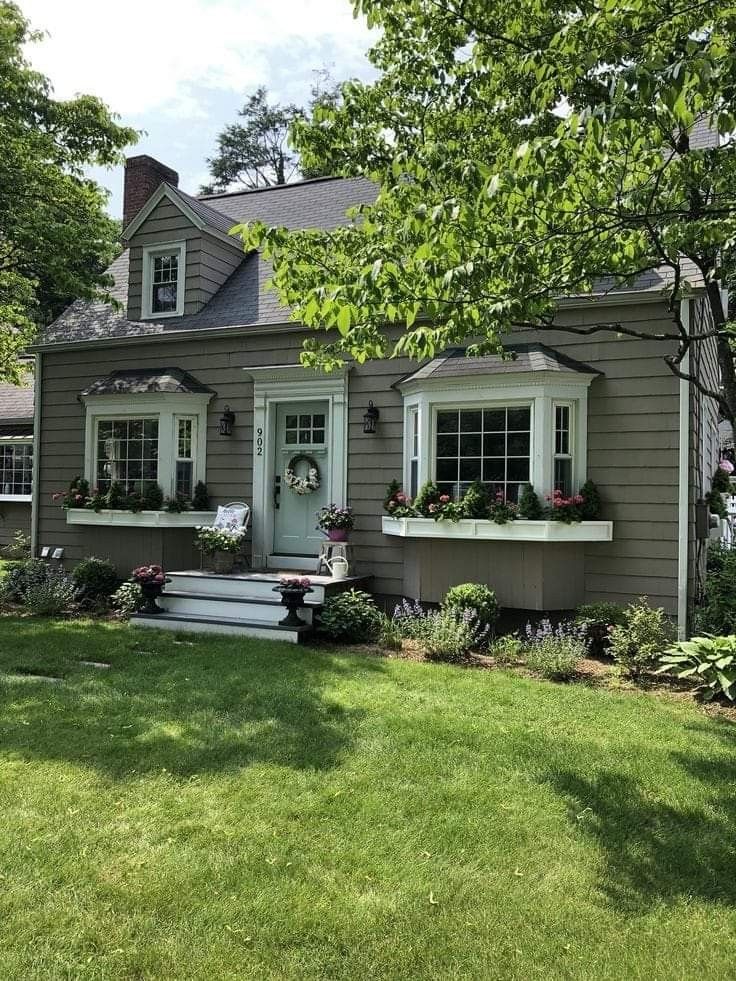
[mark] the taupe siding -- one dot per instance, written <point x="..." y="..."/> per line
<point x="632" y="446"/>
<point x="209" y="261"/>
<point x="14" y="516"/>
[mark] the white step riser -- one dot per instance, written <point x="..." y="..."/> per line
<point x="243" y="610"/>
<point x="263" y="633"/>
<point x="242" y="588"/>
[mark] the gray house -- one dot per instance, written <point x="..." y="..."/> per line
<point x="16" y="459"/>
<point x="194" y="376"/>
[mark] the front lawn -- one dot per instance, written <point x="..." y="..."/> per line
<point x="209" y="809"/>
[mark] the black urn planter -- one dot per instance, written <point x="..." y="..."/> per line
<point x="151" y="592"/>
<point x="293" y="599"/>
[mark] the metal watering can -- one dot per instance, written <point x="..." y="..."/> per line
<point x="338" y="567"/>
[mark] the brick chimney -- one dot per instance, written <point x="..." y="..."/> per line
<point x="143" y="175"/>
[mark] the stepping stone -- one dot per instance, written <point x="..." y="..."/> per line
<point x="95" y="664"/>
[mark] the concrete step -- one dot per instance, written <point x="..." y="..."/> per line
<point x="220" y="625"/>
<point x="269" y="610"/>
<point x="255" y="585"/>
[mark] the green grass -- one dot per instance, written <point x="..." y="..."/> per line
<point x="232" y="809"/>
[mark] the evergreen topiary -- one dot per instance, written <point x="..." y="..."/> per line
<point x="115" y="497"/>
<point x="428" y="495"/>
<point x="476" y="597"/>
<point x="201" y="499"/>
<point x="530" y="506"/>
<point x="475" y="501"/>
<point x="153" y="498"/>
<point x="95" y="578"/>
<point x="590" y="509"/>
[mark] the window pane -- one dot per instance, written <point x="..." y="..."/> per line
<point x="563" y="475"/>
<point x="291" y="435"/>
<point x="184" y="475"/>
<point x="164" y="280"/>
<point x="520" y="418"/>
<point x="562" y="429"/>
<point x="492" y="445"/>
<point x="16" y="463"/>
<point x="318" y="435"/>
<point x="125" y="458"/>
<point x="318" y="421"/>
<point x="447" y="422"/>
<point x="291" y="422"/>
<point x="471" y="422"/>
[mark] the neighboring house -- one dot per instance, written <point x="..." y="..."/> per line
<point x="16" y="460"/>
<point x="137" y="394"/>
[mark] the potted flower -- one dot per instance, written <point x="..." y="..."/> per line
<point x="293" y="590"/>
<point x="151" y="579"/>
<point x="220" y="545"/>
<point x="335" y="522"/>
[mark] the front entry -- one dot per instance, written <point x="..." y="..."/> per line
<point x="302" y="439"/>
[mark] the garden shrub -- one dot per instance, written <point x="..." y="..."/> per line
<point x="408" y="618"/>
<point x="597" y="620"/>
<point x="201" y="499"/>
<point x="127" y="599"/>
<point x="427" y="500"/>
<point x="50" y="597"/>
<point x="20" y="576"/>
<point x="711" y="661"/>
<point x="475" y="501"/>
<point x="507" y="649"/>
<point x="590" y="509"/>
<point x="556" y="658"/>
<point x="717" y="612"/>
<point x="451" y="634"/>
<point x="473" y="596"/>
<point x="153" y="498"/>
<point x="95" y="578"/>
<point x="638" y="642"/>
<point x="18" y="548"/>
<point x="351" y="617"/>
<point x="530" y="507"/>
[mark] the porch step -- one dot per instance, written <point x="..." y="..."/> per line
<point x="214" y="605"/>
<point x="199" y="624"/>
<point x="255" y="585"/>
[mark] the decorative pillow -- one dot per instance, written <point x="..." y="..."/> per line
<point x="229" y="519"/>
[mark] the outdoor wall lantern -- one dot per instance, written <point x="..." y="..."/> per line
<point x="226" y="422"/>
<point x="370" y="417"/>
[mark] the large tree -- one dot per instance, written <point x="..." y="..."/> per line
<point x="256" y="152"/>
<point x="55" y="237"/>
<point x="522" y="151"/>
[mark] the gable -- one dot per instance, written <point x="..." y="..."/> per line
<point x="210" y="261"/>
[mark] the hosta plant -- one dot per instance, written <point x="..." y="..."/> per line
<point x="709" y="661"/>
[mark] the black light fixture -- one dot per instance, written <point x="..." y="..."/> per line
<point x="226" y="422"/>
<point x="370" y="417"/>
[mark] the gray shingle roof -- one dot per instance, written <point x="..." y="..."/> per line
<point x="140" y="381"/>
<point x="16" y="403"/>
<point x="243" y="300"/>
<point x="453" y="363"/>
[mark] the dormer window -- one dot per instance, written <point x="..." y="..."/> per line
<point x="164" y="269"/>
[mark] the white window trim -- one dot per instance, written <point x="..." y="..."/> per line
<point x="19" y="498"/>
<point x="167" y="408"/>
<point x="524" y="388"/>
<point x="149" y="254"/>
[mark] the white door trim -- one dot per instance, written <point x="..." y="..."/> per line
<point x="273" y="384"/>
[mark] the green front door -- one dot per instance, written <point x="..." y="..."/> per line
<point x="301" y="431"/>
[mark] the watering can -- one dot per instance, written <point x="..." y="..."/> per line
<point x="338" y="567"/>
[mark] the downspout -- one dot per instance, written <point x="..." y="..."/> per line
<point x="683" y="482"/>
<point x="36" y="483"/>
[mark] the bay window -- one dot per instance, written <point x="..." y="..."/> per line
<point x="140" y="441"/>
<point x="506" y="428"/>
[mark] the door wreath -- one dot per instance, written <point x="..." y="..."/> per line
<point x="302" y="485"/>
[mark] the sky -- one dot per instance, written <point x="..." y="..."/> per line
<point x="180" y="69"/>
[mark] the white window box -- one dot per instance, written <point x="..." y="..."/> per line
<point x="483" y="529"/>
<point x="18" y="498"/>
<point x="141" y="519"/>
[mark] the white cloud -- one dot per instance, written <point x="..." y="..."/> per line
<point x="146" y="55"/>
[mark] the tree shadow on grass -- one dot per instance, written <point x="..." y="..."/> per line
<point x="657" y="851"/>
<point x="186" y="706"/>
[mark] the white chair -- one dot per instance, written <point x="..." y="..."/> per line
<point x="231" y="518"/>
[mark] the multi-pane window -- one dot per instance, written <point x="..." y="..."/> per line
<point x="184" y="475"/>
<point x="305" y="429"/>
<point x="16" y="468"/>
<point x="164" y="282"/>
<point x="127" y="453"/>
<point x="492" y="445"/>
<point x="413" y="452"/>
<point x="563" y="450"/>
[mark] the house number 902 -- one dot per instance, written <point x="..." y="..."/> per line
<point x="259" y="442"/>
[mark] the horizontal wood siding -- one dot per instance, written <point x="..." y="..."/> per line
<point x="632" y="445"/>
